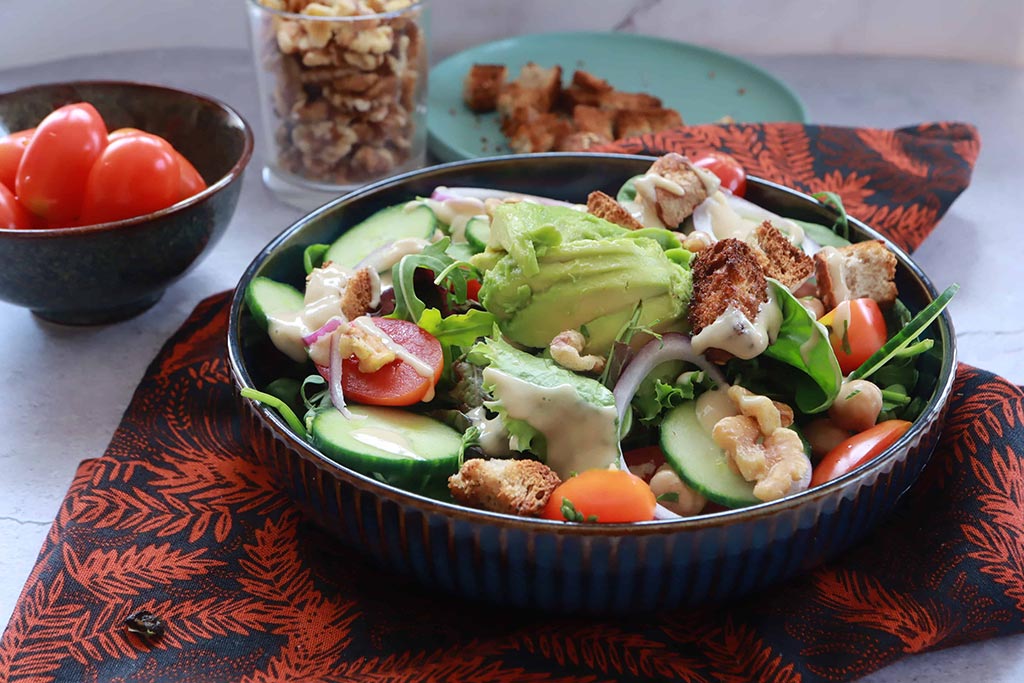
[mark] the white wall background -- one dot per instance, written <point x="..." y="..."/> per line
<point x="33" y="31"/>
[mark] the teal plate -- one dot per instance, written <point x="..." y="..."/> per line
<point x="701" y="84"/>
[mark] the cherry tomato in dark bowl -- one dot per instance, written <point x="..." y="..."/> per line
<point x="89" y="274"/>
<point x="728" y="170"/>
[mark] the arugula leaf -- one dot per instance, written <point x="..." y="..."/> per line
<point x="313" y="256"/>
<point x="901" y="342"/>
<point x="448" y="272"/>
<point x="280" y="406"/>
<point x="458" y="330"/>
<point x="802" y="343"/>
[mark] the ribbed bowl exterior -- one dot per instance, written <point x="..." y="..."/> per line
<point x="596" y="569"/>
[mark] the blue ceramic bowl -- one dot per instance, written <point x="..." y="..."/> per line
<point x="102" y="273"/>
<point x="553" y="565"/>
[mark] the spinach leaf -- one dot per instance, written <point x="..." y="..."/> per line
<point x="803" y="343"/>
<point x="313" y="256"/>
<point x="627" y="192"/>
<point x="822" y="235"/>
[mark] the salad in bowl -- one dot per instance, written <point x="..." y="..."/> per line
<point x="673" y="351"/>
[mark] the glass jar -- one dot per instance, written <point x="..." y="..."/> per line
<point x="343" y="86"/>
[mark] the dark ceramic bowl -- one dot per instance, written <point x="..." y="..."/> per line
<point x="112" y="271"/>
<point x="553" y="565"/>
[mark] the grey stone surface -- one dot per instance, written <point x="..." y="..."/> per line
<point x="67" y="387"/>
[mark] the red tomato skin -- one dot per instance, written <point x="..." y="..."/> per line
<point x="612" y="496"/>
<point x="867" y="332"/>
<point x="728" y="170"/>
<point x="12" y="214"/>
<point x="53" y="171"/>
<point x="136" y="175"/>
<point x="857" y="450"/>
<point x="12" y="149"/>
<point x="191" y="182"/>
<point x="397" y="383"/>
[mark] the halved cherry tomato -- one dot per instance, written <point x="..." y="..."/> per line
<point x="728" y="170"/>
<point x="12" y="213"/>
<point x="12" y="148"/>
<point x="473" y="290"/>
<point x="52" y="173"/>
<point x="604" y="496"/>
<point x="191" y="182"/>
<point x="856" y="330"/>
<point x="397" y="383"/>
<point x="857" y="450"/>
<point x="135" y="175"/>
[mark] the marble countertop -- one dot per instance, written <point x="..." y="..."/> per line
<point x="67" y="390"/>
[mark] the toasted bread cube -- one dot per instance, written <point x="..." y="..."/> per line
<point x="673" y="206"/>
<point x="538" y="133"/>
<point x="580" y="142"/>
<point x="482" y="86"/>
<point x="628" y="100"/>
<point x="593" y="120"/>
<point x="588" y="81"/>
<point x="726" y="275"/>
<point x="512" y="487"/>
<point x="631" y="122"/>
<point x="535" y="88"/>
<point x="604" y="206"/>
<point x="585" y="89"/>
<point x="781" y="259"/>
<point x="866" y="269"/>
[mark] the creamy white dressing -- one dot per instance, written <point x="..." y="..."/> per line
<point x="325" y="289"/>
<point x="836" y="272"/>
<point x="647" y="187"/>
<point x="493" y="435"/>
<point x="725" y="221"/>
<point x="387" y="440"/>
<point x="455" y="212"/>
<point x="580" y="436"/>
<point x="714" y="405"/>
<point x="734" y="333"/>
<point x="384" y="259"/>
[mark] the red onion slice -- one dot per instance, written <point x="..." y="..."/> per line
<point x="442" y="193"/>
<point x="330" y="326"/>
<point x="334" y="371"/>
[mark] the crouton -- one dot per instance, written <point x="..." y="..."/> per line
<point x="585" y="89"/>
<point x="593" y="120"/>
<point x="514" y="487"/>
<point x="725" y="275"/>
<point x="616" y="99"/>
<point x="781" y="259"/>
<point x="538" y="133"/>
<point x="580" y="142"/>
<point x="536" y="88"/>
<point x="684" y="192"/>
<point x="631" y="122"/>
<point x="865" y="269"/>
<point x="358" y="294"/>
<point x="482" y="85"/>
<point x="603" y="206"/>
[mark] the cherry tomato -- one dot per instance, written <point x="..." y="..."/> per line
<point x="12" y="148"/>
<point x="12" y="213"/>
<point x="397" y="383"/>
<point x="604" y="496"/>
<point x="857" y="450"/>
<point x="473" y="290"/>
<point x="728" y="170"/>
<point x="52" y="174"/>
<point x="135" y="175"/>
<point x="191" y="183"/>
<point x="856" y="330"/>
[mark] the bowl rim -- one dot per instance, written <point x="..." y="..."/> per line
<point x="932" y="412"/>
<point x="233" y="173"/>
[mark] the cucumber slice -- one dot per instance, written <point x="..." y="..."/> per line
<point x="478" y="233"/>
<point x="269" y="298"/>
<point x="385" y="226"/>
<point x="697" y="459"/>
<point x="408" y="450"/>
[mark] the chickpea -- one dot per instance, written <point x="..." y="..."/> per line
<point x="857" y="406"/>
<point x="689" y="502"/>
<point x="697" y="241"/>
<point x="824" y="435"/>
<point x="814" y="305"/>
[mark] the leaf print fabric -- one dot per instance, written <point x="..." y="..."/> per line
<point x="175" y="519"/>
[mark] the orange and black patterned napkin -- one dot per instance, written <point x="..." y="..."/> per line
<point x="177" y="520"/>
